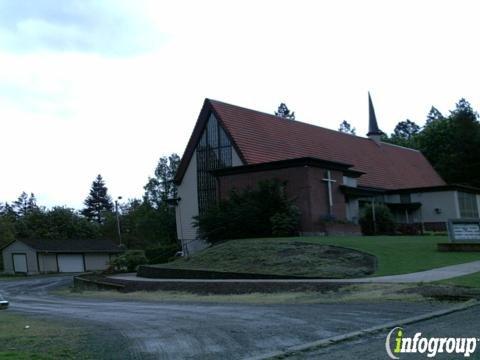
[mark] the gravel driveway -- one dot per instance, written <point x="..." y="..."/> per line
<point x="204" y="330"/>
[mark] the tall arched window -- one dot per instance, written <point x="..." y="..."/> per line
<point x="214" y="151"/>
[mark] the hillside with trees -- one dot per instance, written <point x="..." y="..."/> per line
<point x="147" y="223"/>
<point x="451" y="143"/>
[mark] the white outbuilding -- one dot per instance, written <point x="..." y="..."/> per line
<point x="34" y="256"/>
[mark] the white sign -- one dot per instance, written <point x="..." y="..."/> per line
<point x="464" y="231"/>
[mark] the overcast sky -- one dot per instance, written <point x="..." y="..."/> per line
<point x="108" y="87"/>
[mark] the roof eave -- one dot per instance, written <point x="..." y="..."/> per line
<point x="295" y="162"/>
<point x="448" y="187"/>
<point x="8" y="244"/>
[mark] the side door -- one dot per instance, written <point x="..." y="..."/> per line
<point x="20" y="263"/>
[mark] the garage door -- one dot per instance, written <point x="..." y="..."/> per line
<point x="70" y="263"/>
<point x="20" y="263"/>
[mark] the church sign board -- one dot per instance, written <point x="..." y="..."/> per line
<point x="464" y="230"/>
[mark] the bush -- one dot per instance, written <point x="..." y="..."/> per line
<point x="260" y="212"/>
<point x="384" y="223"/>
<point x="285" y="223"/>
<point x="409" y="229"/>
<point x="129" y="261"/>
<point x="162" y="254"/>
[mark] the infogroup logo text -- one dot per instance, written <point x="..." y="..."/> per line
<point x="428" y="346"/>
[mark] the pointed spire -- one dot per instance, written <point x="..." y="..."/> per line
<point x="374" y="132"/>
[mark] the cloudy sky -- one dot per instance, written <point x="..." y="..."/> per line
<point x="108" y="87"/>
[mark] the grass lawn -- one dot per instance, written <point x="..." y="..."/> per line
<point x="402" y="254"/>
<point x="472" y="280"/>
<point x="47" y="339"/>
<point x="395" y="254"/>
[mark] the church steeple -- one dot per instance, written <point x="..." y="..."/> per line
<point x="374" y="132"/>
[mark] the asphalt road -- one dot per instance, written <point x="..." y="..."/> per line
<point x="204" y="330"/>
<point x="458" y="325"/>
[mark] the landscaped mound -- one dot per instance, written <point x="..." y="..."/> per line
<point x="271" y="257"/>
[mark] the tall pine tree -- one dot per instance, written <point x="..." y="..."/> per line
<point x="433" y="115"/>
<point x="25" y="204"/>
<point x="161" y="187"/>
<point x="98" y="202"/>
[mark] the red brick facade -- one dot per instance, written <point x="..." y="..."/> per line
<point x="305" y="186"/>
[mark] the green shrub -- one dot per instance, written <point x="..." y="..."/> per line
<point x="259" y="212"/>
<point x="285" y="223"/>
<point x="384" y="222"/>
<point x="129" y="261"/>
<point x="162" y="254"/>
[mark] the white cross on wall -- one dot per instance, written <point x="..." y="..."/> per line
<point x="329" y="182"/>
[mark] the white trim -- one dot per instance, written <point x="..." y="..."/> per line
<point x="457" y="204"/>
<point x="478" y="204"/>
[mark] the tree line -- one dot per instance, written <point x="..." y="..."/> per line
<point x="450" y="142"/>
<point x="145" y="223"/>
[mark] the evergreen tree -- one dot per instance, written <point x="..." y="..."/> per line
<point x="32" y="203"/>
<point x="284" y="112"/>
<point x="7" y="230"/>
<point x="433" y="115"/>
<point x="161" y="187"/>
<point x="405" y="134"/>
<point x="345" y="127"/>
<point x="406" y="130"/>
<point x="98" y="202"/>
<point x="451" y="145"/>
<point x="6" y="210"/>
<point x="25" y="204"/>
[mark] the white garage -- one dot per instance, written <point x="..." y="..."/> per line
<point x="33" y="256"/>
<point x="71" y="263"/>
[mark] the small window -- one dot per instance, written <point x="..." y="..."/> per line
<point x="405" y="198"/>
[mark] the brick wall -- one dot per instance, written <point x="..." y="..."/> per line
<point x="319" y="195"/>
<point x="304" y="186"/>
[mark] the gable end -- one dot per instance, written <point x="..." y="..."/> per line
<point x="207" y="110"/>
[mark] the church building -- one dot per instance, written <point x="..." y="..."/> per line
<point x="328" y="174"/>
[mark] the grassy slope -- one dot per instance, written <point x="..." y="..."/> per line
<point x="396" y="255"/>
<point x="291" y="256"/>
<point x="48" y="339"/>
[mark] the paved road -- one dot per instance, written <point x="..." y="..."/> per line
<point x="460" y="324"/>
<point x="204" y="331"/>
<point x="443" y="273"/>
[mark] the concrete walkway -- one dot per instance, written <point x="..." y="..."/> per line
<point x="442" y="273"/>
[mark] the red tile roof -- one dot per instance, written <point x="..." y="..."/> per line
<point x="259" y="138"/>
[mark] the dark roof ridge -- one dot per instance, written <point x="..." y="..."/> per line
<point x="400" y="146"/>
<point x="281" y="118"/>
<point x="71" y="245"/>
